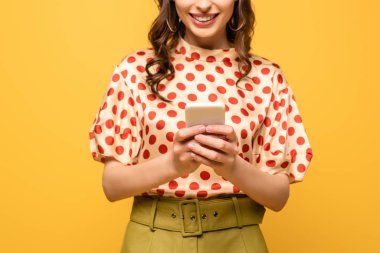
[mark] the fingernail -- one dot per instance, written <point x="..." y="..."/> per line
<point x="202" y="128"/>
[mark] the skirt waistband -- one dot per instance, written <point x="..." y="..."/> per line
<point x="192" y="217"/>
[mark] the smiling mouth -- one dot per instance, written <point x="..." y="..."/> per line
<point x="204" y="18"/>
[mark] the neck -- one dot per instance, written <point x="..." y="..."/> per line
<point x="214" y="42"/>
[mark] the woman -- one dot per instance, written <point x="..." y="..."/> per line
<point x="200" y="188"/>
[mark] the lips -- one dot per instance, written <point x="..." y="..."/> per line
<point x="200" y="15"/>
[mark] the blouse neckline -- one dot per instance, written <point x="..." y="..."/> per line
<point x="192" y="52"/>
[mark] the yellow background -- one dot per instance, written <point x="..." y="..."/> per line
<point x="56" y="58"/>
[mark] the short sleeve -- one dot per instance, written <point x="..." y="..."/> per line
<point x="116" y="130"/>
<point x="281" y="144"/>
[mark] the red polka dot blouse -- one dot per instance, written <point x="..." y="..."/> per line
<point x="133" y="125"/>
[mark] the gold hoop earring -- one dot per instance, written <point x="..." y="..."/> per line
<point x="235" y="30"/>
<point x="171" y="29"/>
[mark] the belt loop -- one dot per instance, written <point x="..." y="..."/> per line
<point x="237" y="211"/>
<point x="153" y="214"/>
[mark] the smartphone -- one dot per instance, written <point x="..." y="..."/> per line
<point x="204" y="113"/>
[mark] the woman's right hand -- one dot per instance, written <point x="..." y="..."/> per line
<point x="181" y="154"/>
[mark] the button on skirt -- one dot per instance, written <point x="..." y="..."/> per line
<point x="222" y="224"/>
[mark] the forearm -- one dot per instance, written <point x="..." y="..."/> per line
<point x="269" y="190"/>
<point x="124" y="181"/>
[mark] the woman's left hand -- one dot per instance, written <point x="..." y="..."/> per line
<point x="218" y="153"/>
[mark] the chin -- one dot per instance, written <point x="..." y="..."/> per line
<point x="203" y="33"/>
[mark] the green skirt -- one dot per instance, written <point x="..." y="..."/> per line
<point x="222" y="224"/>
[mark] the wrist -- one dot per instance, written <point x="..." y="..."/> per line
<point x="169" y="164"/>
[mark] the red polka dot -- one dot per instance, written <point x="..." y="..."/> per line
<point x="201" y="87"/>
<point x="131" y="102"/>
<point x="199" y="67"/>
<point x="235" y="189"/>
<point x="244" y="112"/>
<point x="140" y="69"/>
<point x="230" y="82"/>
<point x="131" y="59"/>
<point x="256" y="80"/>
<point x="219" y="69"/>
<point x="160" y="124"/>
<point x="161" y="105"/>
<point x="210" y="78"/>
<point x="109" y="140"/>
<point x="205" y="175"/>
<point x="146" y="154"/>
<point x="265" y="71"/>
<point x="119" y="150"/>
<point x="124" y="73"/>
<point x="109" y="123"/>
<point x="170" y="136"/>
<point x="258" y="100"/>
<point x="202" y="194"/>
<point x="181" y="124"/>
<point x="192" y="97"/>
<point x="163" y="149"/>
<point x="291" y="131"/>
<point x="172" y="113"/>
<point x="241" y="93"/>
<point x="227" y="62"/>
<point x="151" y="115"/>
<point x="210" y="58"/>
<point x="120" y="95"/>
<point x="301" y="168"/>
<point x="298" y="119"/>
<point x="173" y="184"/>
<point x="272" y="131"/>
<point x="172" y="95"/>
<point x="279" y="78"/>
<point x="195" y="55"/>
<point x="110" y="92"/>
<point x="152" y="139"/>
<point x="212" y="97"/>
<point x="257" y="62"/>
<point x="300" y="140"/>
<point x="236" y="119"/>
<point x="181" y="86"/>
<point x="115" y="77"/>
<point x="182" y="105"/>
<point x="232" y="100"/>
<point x="221" y="89"/>
<point x="243" y="133"/>
<point x="190" y="77"/>
<point x="179" y="67"/>
<point x="248" y="86"/>
<point x="179" y="193"/>
<point x="215" y="186"/>
<point x="194" y="186"/>
<point x="133" y="121"/>
<point x="161" y="87"/>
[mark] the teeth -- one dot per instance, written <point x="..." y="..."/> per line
<point x="204" y="19"/>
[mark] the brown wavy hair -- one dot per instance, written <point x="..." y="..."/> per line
<point x="163" y="40"/>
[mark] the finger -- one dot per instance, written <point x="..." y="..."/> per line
<point x="217" y="143"/>
<point x="212" y="155"/>
<point x="203" y="160"/>
<point x="188" y="132"/>
<point x="226" y="130"/>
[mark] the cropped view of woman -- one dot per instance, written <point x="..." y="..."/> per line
<point x="202" y="188"/>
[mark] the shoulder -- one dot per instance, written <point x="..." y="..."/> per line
<point x="265" y="65"/>
<point x="267" y="69"/>
<point x="134" y="62"/>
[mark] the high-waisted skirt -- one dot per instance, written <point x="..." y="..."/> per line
<point x="221" y="224"/>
